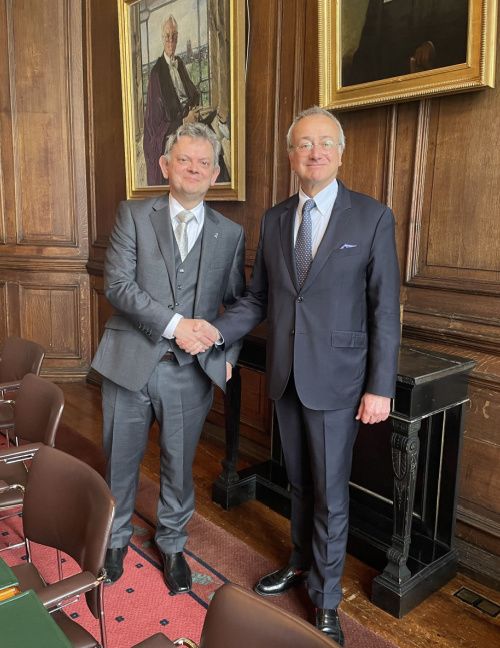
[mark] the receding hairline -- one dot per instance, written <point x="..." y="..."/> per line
<point x="168" y="21"/>
<point x="313" y="112"/>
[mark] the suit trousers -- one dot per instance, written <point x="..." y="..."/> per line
<point x="179" y="398"/>
<point x="317" y="447"/>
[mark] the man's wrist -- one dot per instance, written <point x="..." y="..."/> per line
<point x="169" y="331"/>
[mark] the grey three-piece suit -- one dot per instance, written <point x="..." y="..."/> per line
<point x="328" y="342"/>
<point x="146" y="282"/>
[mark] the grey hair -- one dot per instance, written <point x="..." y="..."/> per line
<point x="196" y="130"/>
<point x="164" y="24"/>
<point x="315" y="110"/>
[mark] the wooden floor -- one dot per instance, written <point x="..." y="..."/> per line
<point x="442" y="620"/>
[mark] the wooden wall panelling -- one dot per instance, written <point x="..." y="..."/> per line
<point x="3" y="310"/>
<point x="106" y="157"/>
<point x="43" y="197"/>
<point x="53" y="309"/>
<point x="44" y="166"/>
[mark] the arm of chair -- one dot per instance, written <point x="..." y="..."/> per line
<point x="5" y="488"/>
<point x="8" y="387"/>
<point x="52" y="596"/>
<point x="13" y="454"/>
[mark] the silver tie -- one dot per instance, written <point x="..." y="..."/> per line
<point x="183" y="219"/>
<point x="303" y="243"/>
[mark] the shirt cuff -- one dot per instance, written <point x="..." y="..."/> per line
<point x="171" y="326"/>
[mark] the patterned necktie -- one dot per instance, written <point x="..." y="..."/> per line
<point x="303" y="244"/>
<point x="183" y="218"/>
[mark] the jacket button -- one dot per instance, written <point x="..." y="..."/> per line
<point x="292" y="332"/>
<point x="299" y="299"/>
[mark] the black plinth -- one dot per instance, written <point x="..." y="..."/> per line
<point x="403" y="483"/>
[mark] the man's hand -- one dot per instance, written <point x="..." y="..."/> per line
<point x="192" y="116"/>
<point x="373" y="409"/>
<point x="195" y="336"/>
<point x="229" y="371"/>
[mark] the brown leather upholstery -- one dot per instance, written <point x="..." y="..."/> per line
<point x="239" y="617"/>
<point x="156" y="641"/>
<point x="37" y="413"/>
<point x="17" y="358"/>
<point x="68" y="505"/>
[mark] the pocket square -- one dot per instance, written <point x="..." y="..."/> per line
<point x="348" y="246"/>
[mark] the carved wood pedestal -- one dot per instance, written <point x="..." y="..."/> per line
<point x="403" y="483"/>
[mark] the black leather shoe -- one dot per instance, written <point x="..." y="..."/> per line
<point x="113" y="563"/>
<point x="328" y="622"/>
<point x="280" y="581"/>
<point x="176" y="573"/>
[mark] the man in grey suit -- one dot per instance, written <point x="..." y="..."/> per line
<point x="170" y="261"/>
<point x="326" y="277"/>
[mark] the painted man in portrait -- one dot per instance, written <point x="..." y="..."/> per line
<point x="405" y="36"/>
<point x="172" y="100"/>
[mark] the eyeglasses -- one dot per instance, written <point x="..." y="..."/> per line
<point x="306" y="147"/>
<point x="171" y="37"/>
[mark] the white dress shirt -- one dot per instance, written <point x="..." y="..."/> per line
<point x="176" y="79"/>
<point x="193" y="229"/>
<point x="320" y="215"/>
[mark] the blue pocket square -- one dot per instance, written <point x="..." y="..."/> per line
<point x="348" y="246"/>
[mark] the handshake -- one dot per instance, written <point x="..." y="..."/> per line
<point x="195" y="335"/>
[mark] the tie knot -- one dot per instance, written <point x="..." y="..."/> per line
<point x="185" y="216"/>
<point x="309" y="205"/>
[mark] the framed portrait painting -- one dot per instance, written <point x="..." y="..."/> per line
<point x="381" y="51"/>
<point x="182" y="61"/>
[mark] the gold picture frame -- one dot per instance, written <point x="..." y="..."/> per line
<point x="360" y="65"/>
<point x="206" y="83"/>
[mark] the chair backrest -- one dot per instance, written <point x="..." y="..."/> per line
<point x="19" y="357"/>
<point x="238" y="616"/>
<point x="38" y="409"/>
<point x="69" y="506"/>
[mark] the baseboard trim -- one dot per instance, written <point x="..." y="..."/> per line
<point x="481" y="565"/>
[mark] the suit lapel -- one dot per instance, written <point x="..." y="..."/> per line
<point x="160" y="220"/>
<point x="287" y="220"/>
<point x="339" y="220"/>
<point x="211" y="235"/>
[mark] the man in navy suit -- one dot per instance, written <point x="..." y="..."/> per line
<point x="326" y="278"/>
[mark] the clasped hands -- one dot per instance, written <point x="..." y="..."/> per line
<point x="195" y="335"/>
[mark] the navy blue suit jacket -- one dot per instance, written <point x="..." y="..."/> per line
<point x="340" y="332"/>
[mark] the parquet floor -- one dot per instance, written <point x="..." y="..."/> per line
<point x="441" y="621"/>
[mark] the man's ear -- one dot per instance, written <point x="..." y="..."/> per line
<point x="164" y="166"/>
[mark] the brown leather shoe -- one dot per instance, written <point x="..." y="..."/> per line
<point x="280" y="581"/>
<point x="328" y="622"/>
<point x="176" y="573"/>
